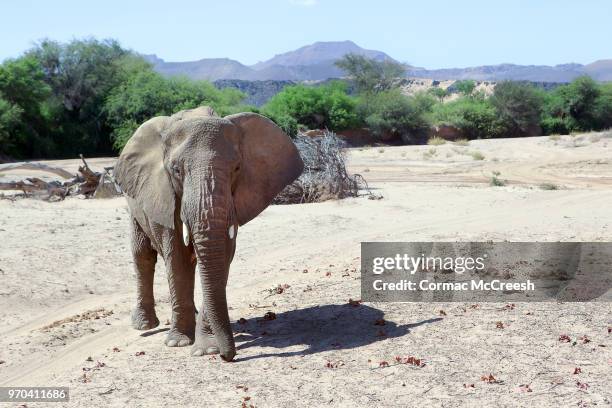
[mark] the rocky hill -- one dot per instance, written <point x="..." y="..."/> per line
<point x="320" y="52"/>
<point x="207" y="68"/>
<point x="312" y="62"/>
<point x="600" y="70"/>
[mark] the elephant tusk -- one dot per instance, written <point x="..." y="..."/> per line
<point x="231" y="232"/>
<point x="185" y="235"/>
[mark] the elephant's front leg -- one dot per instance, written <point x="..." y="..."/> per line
<point x="145" y="257"/>
<point x="180" y="267"/>
<point x="205" y="341"/>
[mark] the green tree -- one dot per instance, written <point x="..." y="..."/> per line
<point x="61" y="99"/>
<point x="519" y="106"/>
<point x="81" y="74"/>
<point x="581" y="105"/>
<point x="438" y="92"/>
<point x="577" y="100"/>
<point x="602" y="111"/>
<point x="556" y="118"/>
<point x="326" y="106"/>
<point x="370" y="75"/>
<point x="24" y="109"/>
<point x="580" y="97"/>
<point x="465" y="87"/>
<point x="390" y="114"/>
<point x="10" y="116"/>
<point x="146" y="94"/>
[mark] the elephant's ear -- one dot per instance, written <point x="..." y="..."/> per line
<point x="141" y="174"/>
<point x="270" y="161"/>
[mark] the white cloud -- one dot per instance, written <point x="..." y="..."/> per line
<point x="305" y="3"/>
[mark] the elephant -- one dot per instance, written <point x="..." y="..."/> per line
<point x="190" y="180"/>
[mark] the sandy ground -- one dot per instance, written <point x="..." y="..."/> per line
<point x="67" y="286"/>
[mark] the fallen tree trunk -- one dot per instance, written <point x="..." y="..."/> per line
<point x="19" y="185"/>
<point x="33" y="184"/>
<point x="37" y="166"/>
<point x="86" y="183"/>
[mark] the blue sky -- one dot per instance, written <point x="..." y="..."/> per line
<point x="428" y="33"/>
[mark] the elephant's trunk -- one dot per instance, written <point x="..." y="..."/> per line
<point x="212" y="248"/>
<point x="213" y="274"/>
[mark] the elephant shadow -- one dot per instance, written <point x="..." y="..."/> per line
<point x="317" y="329"/>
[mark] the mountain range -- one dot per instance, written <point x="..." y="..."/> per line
<point x="599" y="70"/>
<point x="312" y="62"/>
<point x="316" y="62"/>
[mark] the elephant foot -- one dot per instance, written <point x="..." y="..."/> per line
<point x="204" y="344"/>
<point x="144" y="318"/>
<point x="178" y="339"/>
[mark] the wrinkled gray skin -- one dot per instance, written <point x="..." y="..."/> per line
<point x="190" y="180"/>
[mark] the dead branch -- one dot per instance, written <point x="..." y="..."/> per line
<point x="91" y="178"/>
<point x="325" y="175"/>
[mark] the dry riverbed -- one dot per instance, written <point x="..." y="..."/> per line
<point x="67" y="286"/>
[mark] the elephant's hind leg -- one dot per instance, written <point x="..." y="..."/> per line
<point x="145" y="257"/>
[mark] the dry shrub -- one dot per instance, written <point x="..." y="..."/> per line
<point x="325" y="176"/>
<point x="436" y="141"/>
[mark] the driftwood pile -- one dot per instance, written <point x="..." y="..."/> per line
<point x="325" y="176"/>
<point x="86" y="183"/>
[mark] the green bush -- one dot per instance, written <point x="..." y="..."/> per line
<point x="314" y="107"/>
<point x="476" y="117"/>
<point x="289" y="125"/>
<point x="581" y="105"/>
<point x="519" y="106"/>
<point x="391" y="114"/>
<point x="554" y="126"/>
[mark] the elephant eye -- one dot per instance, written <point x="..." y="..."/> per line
<point x="177" y="170"/>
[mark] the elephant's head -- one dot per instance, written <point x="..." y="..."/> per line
<point x="207" y="175"/>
